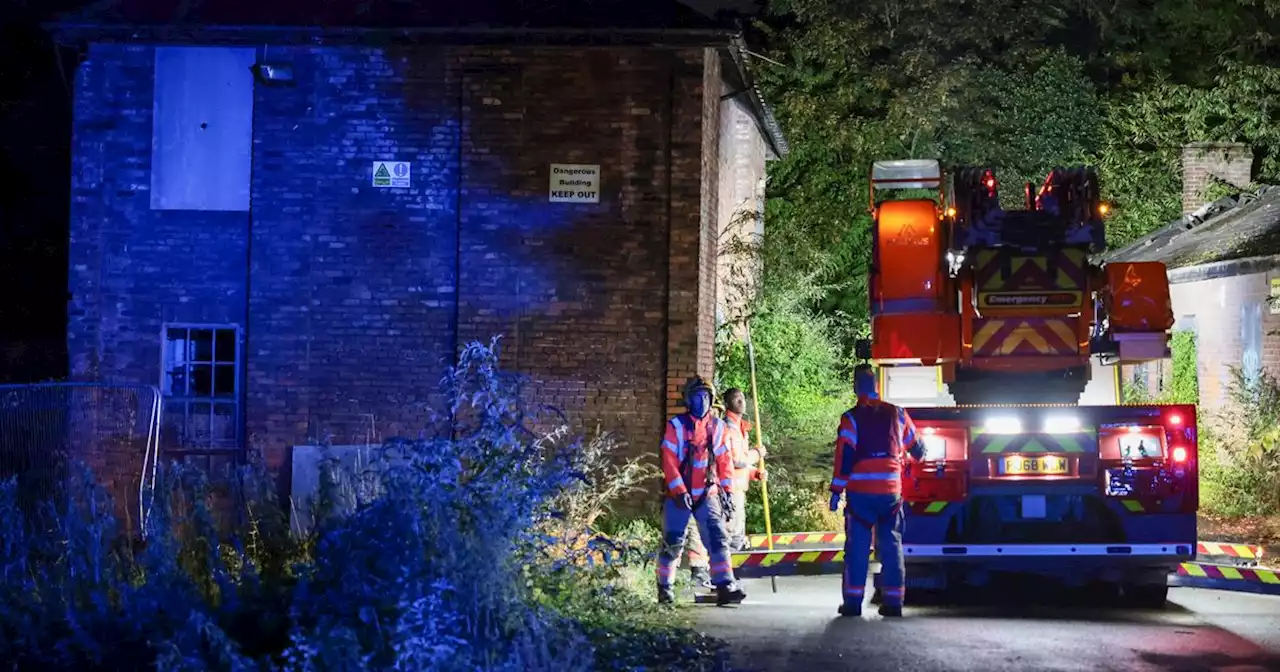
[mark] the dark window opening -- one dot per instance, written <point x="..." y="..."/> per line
<point x="201" y="384"/>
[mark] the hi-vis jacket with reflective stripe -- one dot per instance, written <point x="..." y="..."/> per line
<point x="746" y="459"/>
<point x="687" y="449"/>
<point x="874" y="439"/>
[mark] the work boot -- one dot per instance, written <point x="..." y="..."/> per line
<point x="891" y="610"/>
<point x="701" y="577"/>
<point x="729" y="594"/>
<point x="848" y="609"/>
<point x="666" y="595"/>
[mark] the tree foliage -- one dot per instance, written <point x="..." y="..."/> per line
<point x="1120" y="85"/>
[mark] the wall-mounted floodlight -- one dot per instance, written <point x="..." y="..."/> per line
<point x="273" y="73"/>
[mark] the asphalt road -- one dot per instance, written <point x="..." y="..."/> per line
<point x="798" y="629"/>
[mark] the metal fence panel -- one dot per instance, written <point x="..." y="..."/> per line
<point x="114" y="429"/>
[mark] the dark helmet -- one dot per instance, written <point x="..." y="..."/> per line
<point x="696" y="383"/>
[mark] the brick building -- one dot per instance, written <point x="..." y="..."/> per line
<point x="1224" y="265"/>
<point x="230" y="242"/>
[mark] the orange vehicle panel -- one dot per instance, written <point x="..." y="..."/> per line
<point x="1138" y="296"/>
<point x="932" y="337"/>
<point x="909" y="246"/>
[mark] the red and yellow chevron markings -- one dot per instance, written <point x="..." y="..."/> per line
<point x="1029" y="336"/>
<point x="1226" y="577"/>
<point x="1206" y="570"/>
<point x="1002" y="271"/>
<point x="759" y="564"/>
<point x="772" y="558"/>
<point x="759" y="541"/>
<point x="1247" y="551"/>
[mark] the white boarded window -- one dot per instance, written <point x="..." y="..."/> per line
<point x="202" y="128"/>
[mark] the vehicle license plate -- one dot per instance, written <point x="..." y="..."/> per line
<point x="1022" y="465"/>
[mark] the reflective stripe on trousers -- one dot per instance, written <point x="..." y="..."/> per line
<point x="885" y="514"/>
<point x="738" y="525"/>
<point x="712" y="530"/>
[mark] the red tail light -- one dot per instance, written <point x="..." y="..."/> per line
<point x="1179" y="454"/>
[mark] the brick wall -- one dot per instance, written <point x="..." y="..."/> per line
<point x="353" y="298"/>
<point x="1202" y="161"/>
<point x="132" y="268"/>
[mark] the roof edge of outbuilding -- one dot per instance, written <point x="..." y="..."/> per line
<point x="731" y="39"/>
<point x="81" y="31"/>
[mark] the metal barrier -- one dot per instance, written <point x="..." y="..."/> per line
<point x="1218" y="565"/>
<point x="114" y="429"/>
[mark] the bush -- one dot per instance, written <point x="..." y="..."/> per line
<point x="1184" y="379"/>
<point x="469" y="552"/>
<point x="1240" y="452"/>
<point x="803" y="382"/>
<point x="797" y="503"/>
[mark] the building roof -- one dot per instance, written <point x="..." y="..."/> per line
<point x="665" y="22"/>
<point x="650" y="14"/>
<point x="1235" y="227"/>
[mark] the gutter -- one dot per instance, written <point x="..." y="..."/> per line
<point x="765" y="121"/>
<point x="1223" y="269"/>
<point x="284" y="34"/>
<point x="74" y="33"/>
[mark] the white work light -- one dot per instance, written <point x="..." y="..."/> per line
<point x="935" y="448"/>
<point x="1061" y="424"/>
<point x="1003" y="425"/>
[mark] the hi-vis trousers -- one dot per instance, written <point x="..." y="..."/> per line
<point x="883" y="513"/>
<point x="710" y="524"/>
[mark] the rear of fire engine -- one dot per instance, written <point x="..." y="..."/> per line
<point x="1010" y="312"/>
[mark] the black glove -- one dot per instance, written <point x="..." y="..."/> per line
<point x="726" y="503"/>
<point x="685" y="501"/>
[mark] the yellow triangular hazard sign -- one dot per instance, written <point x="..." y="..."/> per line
<point x="382" y="171"/>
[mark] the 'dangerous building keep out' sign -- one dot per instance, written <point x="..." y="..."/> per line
<point x="575" y="183"/>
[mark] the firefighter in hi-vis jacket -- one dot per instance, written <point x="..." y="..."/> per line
<point x="698" y="474"/>
<point x="874" y="441"/>
<point x="746" y="462"/>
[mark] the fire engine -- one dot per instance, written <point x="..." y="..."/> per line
<point x="1003" y="335"/>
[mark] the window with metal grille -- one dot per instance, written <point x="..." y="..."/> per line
<point x="201" y="386"/>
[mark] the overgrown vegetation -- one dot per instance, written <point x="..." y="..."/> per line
<point x="1119" y="86"/>
<point x="1183" y="386"/>
<point x="471" y="552"/>
<point x="1240" y="450"/>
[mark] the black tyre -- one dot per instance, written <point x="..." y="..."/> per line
<point x="1146" y="596"/>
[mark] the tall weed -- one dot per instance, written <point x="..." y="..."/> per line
<point x="1240" y="450"/>
<point x="467" y="551"/>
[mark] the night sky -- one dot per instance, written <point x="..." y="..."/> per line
<point x="35" y="104"/>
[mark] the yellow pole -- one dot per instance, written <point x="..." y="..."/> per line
<point x="764" y="483"/>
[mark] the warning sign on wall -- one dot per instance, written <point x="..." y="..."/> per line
<point x="575" y="183"/>
<point x="1274" y="300"/>
<point x="390" y="173"/>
